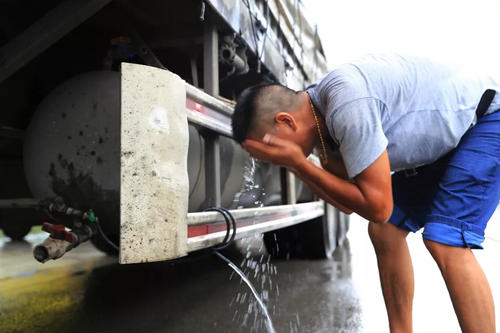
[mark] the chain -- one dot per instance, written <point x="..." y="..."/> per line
<point x="323" y="156"/>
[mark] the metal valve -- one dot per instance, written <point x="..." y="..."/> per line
<point x="62" y="240"/>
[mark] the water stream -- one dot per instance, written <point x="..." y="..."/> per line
<point x="269" y="322"/>
<point x="252" y="193"/>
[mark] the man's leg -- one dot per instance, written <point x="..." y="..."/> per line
<point x="469" y="290"/>
<point x="468" y="194"/>
<point x="396" y="273"/>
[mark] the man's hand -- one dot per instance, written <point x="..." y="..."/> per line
<point x="288" y="154"/>
<point x="275" y="150"/>
<point x="370" y="194"/>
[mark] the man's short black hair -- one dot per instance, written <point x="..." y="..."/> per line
<point x="247" y="104"/>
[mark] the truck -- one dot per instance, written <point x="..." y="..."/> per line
<point x="116" y="127"/>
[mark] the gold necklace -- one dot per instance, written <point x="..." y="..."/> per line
<point x="323" y="156"/>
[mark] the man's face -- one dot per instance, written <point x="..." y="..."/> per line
<point x="290" y="128"/>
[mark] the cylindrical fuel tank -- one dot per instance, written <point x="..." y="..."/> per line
<point x="72" y="150"/>
<point x="72" y="145"/>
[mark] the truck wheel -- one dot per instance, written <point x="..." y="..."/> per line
<point x="314" y="239"/>
<point x="103" y="246"/>
<point x="16" y="230"/>
<point x="13" y="223"/>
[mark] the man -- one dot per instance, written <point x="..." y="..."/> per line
<point x="412" y="116"/>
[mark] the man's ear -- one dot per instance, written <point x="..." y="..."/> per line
<point x="285" y="118"/>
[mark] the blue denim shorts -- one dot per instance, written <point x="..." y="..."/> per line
<point x="454" y="197"/>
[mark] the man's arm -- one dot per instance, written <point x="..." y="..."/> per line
<point x="322" y="194"/>
<point x="370" y="195"/>
<point x="336" y="166"/>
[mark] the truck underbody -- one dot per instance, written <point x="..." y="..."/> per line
<point x="62" y="93"/>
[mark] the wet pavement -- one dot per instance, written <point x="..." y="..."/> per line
<point x="87" y="291"/>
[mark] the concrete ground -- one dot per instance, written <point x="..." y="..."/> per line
<point x="89" y="292"/>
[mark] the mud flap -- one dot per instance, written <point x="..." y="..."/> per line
<point x="154" y="189"/>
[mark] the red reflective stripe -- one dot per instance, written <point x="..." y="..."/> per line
<point x="200" y="230"/>
<point x="197" y="230"/>
<point x="195" y="106"/>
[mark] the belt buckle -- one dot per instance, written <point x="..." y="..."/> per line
<point x="410" y="172"/>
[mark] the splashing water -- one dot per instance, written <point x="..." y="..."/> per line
<point x="269" y="322"/>
<point x="257" y="266"/>
<point x="260" y="269"/>
<point x="251" y="193"/>
<point x="249" y="172"/>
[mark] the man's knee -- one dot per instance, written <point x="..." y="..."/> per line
<point x="385" y="236"/>
<point x="439" y="252"/>
<point x="446" y="254"/>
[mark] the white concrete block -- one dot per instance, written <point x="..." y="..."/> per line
<point x="154" y="190"/>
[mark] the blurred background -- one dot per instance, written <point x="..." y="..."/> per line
<point x="456" y="31"/>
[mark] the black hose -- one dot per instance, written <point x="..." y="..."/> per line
<point x="103" y="235"/>
<point x="228" y="225"/>
<point x="233" y="222"/>
<point x="230" y="221"/>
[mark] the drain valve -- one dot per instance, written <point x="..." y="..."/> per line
<point x="60" y="241"/>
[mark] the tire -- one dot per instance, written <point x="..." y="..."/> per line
<point x="342" y="227"/>
<point x="14" y="225"/>
<point x="314" y="239"/>
<point x="16" y="230"/>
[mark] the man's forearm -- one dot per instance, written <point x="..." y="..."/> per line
<point x="343" y="192"/>
<point x="323" y="195"/>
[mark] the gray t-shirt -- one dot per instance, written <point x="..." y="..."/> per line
<point x="416" y="108"/>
